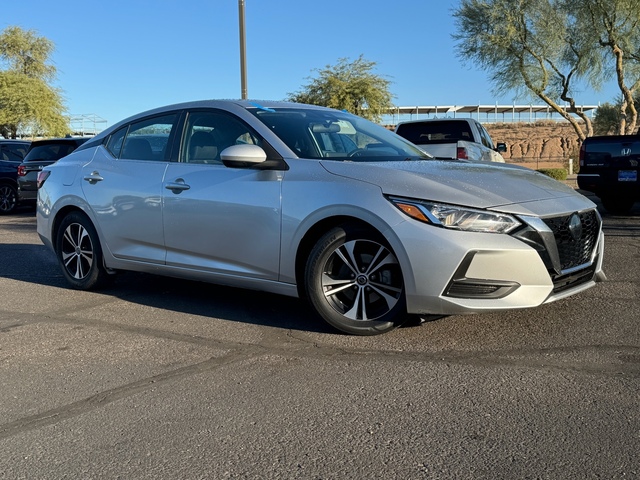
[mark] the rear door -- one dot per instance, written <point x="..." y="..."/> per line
<point x="124" y="187"/>
<point x="218" y="219"/>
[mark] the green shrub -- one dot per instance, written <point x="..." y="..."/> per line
<point x="556" y="173"/>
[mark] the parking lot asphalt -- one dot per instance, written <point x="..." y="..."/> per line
<point x="163" y="378"/>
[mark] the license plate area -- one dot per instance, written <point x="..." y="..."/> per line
<point x="627" y="175"/>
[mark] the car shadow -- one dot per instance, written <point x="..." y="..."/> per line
<point x="216" y="301"/>
<point x="621" y="225"/>
<point x="35" y="264"/>
<point x="634" y="212"/>
<point x="618" y="225"/>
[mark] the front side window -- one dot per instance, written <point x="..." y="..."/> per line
<point x="207" y="133"/>
<point x="335" y="135"/>
<point x="484" y="135"/>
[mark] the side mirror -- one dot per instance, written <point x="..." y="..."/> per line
<point x="239" y="156"/>
<point x="501" y="147"/>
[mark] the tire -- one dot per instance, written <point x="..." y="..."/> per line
<point x="79" y="253"/>
<point x="617" y="205"/>
<point x="8" y="198"/>
<point x="354" y="282"/>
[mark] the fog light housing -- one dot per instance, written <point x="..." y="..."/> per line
<point x="477" y="288"/>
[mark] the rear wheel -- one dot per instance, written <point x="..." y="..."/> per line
<point x="354" y="282"/>
<point x="79" y="252"/>
<point x="8" y="198"/>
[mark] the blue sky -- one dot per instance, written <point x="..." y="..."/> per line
<point x="116" y="58"/>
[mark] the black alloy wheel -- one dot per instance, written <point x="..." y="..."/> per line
<point x="8" y="198"/>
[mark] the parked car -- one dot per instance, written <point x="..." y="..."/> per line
<point x="609" y="167"/>
<point x="40" y="154"/>
<point x="457" y="138"/>
<point x="316" y="203"/>
<point x="11" y="154"/>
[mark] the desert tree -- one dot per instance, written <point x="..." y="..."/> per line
<point x="28" y="101"/>
<point x="531" y="47"/>
<point x="349" y="85"/>
<point x="606" y="120"/>
<point x="614" y="27"/>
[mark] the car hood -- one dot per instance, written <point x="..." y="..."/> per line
<point x="470" y="184"/>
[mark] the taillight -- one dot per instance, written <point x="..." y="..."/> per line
<point x="582" y="154"/>
<point x="462" y="153"/>
<point x="22" y="171"/>
<point x="42" y="177"/>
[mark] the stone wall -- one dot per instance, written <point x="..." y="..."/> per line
<point x="545" y="142"/>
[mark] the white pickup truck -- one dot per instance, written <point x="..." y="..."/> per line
<point x="457" y="138"/>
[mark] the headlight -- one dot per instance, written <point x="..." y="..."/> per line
<point x="455" y="217"/>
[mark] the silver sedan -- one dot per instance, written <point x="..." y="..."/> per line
<point x="316" y="203"/>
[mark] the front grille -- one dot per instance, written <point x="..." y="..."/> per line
<point x="574" y="252"/>
<point x="565" y="282"/>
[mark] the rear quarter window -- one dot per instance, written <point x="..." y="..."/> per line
<point x="114" y="142"/>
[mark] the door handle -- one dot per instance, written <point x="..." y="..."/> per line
<point x="177" y="186"/>
<point x="93" y="178"/>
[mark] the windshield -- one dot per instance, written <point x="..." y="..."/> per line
<point x="334" y="135"/>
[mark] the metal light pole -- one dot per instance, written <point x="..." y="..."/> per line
<point x="243" y="52"/>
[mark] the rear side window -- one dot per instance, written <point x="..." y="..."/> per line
<point x="13" y="153"/>
<point x="147" y="139"/>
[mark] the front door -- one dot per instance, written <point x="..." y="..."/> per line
<point x="217" y="219"/>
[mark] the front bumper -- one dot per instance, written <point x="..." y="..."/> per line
<point x="463" y="272"/>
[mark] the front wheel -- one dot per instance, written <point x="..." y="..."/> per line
<point x="79" y="253"/>
<point x="354" y="282"/>
<point x="8" y="199"/>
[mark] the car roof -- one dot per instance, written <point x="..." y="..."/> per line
<point x="223" y="104"/>
<point x="436" y="119"/>
<point x="63" y="140"/>
<point x="229" y="104"/>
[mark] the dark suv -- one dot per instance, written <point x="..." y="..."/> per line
<point x="40" y="154"/>
<point x="11" y="154"/>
